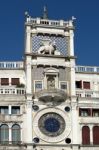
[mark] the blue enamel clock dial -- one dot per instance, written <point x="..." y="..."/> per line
<point x="52" y="124"/>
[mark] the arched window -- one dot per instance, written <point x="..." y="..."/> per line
<point x="85" y="135"/>
<point x="16" y="135"/>
<point x="96" y="135"/>
<point x="4" y="134"/>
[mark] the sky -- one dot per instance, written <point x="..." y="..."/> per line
<point x="12" y="29"/>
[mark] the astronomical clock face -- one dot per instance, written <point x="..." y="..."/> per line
<point x="51" y="125"/>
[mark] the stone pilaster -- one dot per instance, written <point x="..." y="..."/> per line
<point x="29" y="120"/>
<point x="74" y="123"/>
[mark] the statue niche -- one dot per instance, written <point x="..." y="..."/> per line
<point x="47" y="47"/>
<point x="51" y="82"/>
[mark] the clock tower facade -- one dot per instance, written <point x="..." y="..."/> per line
<point x="51" y="103"/>
<point x="46" y="101"/>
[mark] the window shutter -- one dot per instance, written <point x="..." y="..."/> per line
<point x="85" y="135"/>
<point x="86" y="85"/>
<point x="96" y="135"/>
<point x="4" y="81"/>
<point x="15" y="81"/>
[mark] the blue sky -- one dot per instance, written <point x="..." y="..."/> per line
<point x="86" y="26"/>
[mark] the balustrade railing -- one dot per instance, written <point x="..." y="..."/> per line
<point x="87" y="69"/>
<point x="87" y="93"/>
<point x="47" y="22"/>
<point x="11" y="65"/>
<point x="13" y="91"/>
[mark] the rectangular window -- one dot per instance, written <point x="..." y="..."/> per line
<point x="4" y="81"/>
<point x="95" y="112"/>
<point x="86" y="85"/>
<point x="84" y="112"/>
<point x="4" y="110"/>
<point x="38" y="86"/>
<point x="63" y="85"/>
<point x="15" y="110"/>
<point x="15" y="81"/>
<point x="78" y="84"/>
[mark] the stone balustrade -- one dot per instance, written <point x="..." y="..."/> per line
<point x="39" y="21"/>
<point x="87" y="69"/>
<point x="87" y="93"/>
<point x="11" y="65"/>
<point x="13" y="91"/>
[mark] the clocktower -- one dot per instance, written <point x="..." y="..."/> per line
<point x="50" y="83"/>
<point x="46" y="101"/>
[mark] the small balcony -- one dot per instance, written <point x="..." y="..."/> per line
<point x="12" y="91"/>
<point x="87" y="93"/>
<point x="86" y="69"/>
<point x="51" y="95"/>
<point x="12" y="65"/>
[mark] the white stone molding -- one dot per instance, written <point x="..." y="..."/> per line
<point x="91" y="133"/>
<point x="28" y="39"/>
<point x="10" y="132"/>
<point x="28" y="75"/>
<point x="9" y="109"/>
<point x="28" y="121"/>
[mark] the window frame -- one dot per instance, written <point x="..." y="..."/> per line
<point x="85" y="135"/>
<point x="14" y="133"/>
<point x="86" y="87"/>
<point x="4" y="82"/>
<point x="66" y="85"/>
<point x="95" y="135"/>
<point x="4" y="139"/>
<point x="14" y="82"/>
<point x="2" y="110"/>
<point x="94" y="112"/>
<point x="80" y="83"/>
<point x="83" y="111"/>
<point x="35" y="85"/>
<point x="12" y="107"/>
